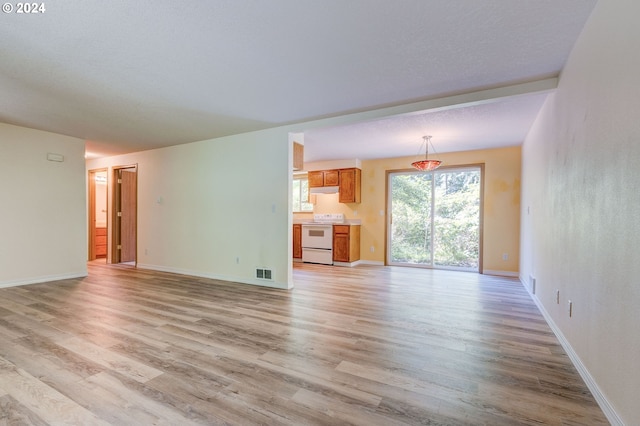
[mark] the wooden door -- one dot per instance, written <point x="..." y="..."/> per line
<point x="124" y="214"/>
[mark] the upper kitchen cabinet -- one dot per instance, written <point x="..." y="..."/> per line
<point x="349" y="191"/>
<point x="320" y="178"/>
<point x="298" y="156"/>
<point x="344" y="181"/>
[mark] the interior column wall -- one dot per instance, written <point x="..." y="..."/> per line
<point x="43" y="225"/>
<point x="218" y="208"/>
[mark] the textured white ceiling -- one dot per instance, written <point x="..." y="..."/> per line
<point x="504" y="122"/>
<point x="132" y="75"/>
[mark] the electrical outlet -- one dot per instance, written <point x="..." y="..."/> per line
<point x="505" y="256"/>
<point x="372" y="249"/>
<point x="557" y="297"/>
<point x="570" y="308"/>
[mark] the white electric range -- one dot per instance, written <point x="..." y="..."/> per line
<point x="317" y="238"/>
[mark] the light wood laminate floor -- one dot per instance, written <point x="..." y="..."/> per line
<point x="365" y="345"/>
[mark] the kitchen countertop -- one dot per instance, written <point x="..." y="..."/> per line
<point x="346" y="222"/>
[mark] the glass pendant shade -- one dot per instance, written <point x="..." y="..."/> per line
<point x="426" y="165"/>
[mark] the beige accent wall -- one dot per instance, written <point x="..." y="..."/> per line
<point x="581" y="207"/>
<point x="501" y="204"/>
<point x="43" y="225"/>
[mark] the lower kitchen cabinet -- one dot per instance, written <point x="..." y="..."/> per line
<point x="101" y="242"/>
<point x="346" y="243"/>
<point x="297" y="241"/>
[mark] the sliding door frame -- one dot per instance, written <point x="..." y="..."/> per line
<point x="388" y="218"/>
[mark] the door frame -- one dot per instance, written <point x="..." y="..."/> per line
<point x="91" y="176"/>
<point x="388" y="218"/>
<point x="115" y="235"/>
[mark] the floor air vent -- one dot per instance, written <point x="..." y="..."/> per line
<point x="264" y="274"/>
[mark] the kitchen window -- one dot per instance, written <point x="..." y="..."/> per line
<point x="301" y="195"/>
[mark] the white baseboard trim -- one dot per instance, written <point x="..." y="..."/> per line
<point x="42" y="279"/>
<point x="347" y="264"/>
<point x="370" y="262"/>
<point x="602" y="401"/>
<point x="256" y="282"/>
<point x="500" y="273"/>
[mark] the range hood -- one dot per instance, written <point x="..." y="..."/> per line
<point x="324" y="190"/>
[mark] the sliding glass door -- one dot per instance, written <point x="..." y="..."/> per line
<point x="434" y="218"/>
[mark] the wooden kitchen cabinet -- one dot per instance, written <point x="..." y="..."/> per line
<point x="316" y="179"/>
<point x="298" y="156"/>
<point x="101" y="242"/>
<point x="320" y="178"/>
<point x="346" y="243"/>
<point x="348" y="182"/>
<point x="349" y="191"/>
<point x="297" y="241"/>
<point x="331" y="178"/>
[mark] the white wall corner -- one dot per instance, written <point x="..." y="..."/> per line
<point x="226" y="278"/>
<point x="43" y="279"/>
<point x="500" y="273"/>
<point x="600" y="398"/>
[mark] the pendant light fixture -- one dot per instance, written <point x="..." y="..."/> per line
<point x="426" y="165"/>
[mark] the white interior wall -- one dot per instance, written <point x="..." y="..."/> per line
<point x="43" y="225"/>
<point x="581" y="207"/>
<point x="218" y="208"/>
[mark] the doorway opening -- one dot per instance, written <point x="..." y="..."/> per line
<point x="124" y="215"/>
<point x="97" y="214"/>
<point x="435" y="218"/>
